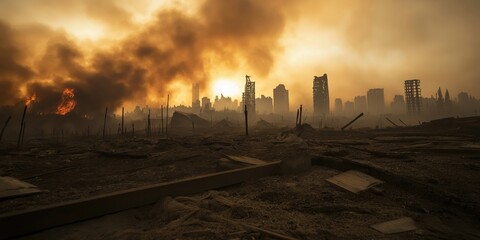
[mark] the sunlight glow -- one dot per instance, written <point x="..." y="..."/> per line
<point x="227" y="87"/>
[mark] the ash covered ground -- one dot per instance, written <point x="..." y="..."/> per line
<point x="430" y="174"/>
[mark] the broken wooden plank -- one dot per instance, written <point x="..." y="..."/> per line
<point x="354" y="181"/>
<point x="404" y="224"/>
<point x="245" y="159"/>
<point x="37" y="219"/>
<point x="12" y="187"/>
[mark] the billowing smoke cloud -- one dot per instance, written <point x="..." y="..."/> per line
<point x="174" y="47"/>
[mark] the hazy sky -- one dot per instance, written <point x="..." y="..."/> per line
<point x="127" y="52"/>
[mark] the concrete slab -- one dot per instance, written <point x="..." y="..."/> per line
<point x="12" y="187"/>
<point x="404" y="224"/>
<point x="354" y="181"/>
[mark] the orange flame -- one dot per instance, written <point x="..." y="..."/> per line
<point x="68" y="103"/>
<point x="31" y="99"/>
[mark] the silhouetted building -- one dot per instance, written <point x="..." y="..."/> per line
<point x="349" y="108"/>
<point x="338" y="107"/>
<point x="206" y="104"/>
<point x="398" y="104"/>
<point x="248" y="97"/>
<point x="280" y="100"/>
<point x="196" y="98"/>
<point x="376" y="101"/>
<point x="413" y="96"/>
<point x="225" y="103"/>
<point x="360" y="104"/>
<point x="321" y="102"/>
<point x="264" y="105"/>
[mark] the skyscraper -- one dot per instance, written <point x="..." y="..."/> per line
<point x="338" y="106"/>
<point x="376" y="101"/>
<point x="321" y="102"/>
<point x="196" y="98"/>
<point x="398" y="105"/>
<point x="360" y="104"/>
<point x="280" y="100"/>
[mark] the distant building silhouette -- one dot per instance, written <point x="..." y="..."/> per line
<point x="225" y="103"/>
<point x="264" y="105"/>
<point x="349" y="108"/>
<point x="206" y="104"/>
<point x="248" y="96"/>
<point x="196" y="98"/>
<point x="280" y="100"/>
<point x="338" y="107"/>
<point x="360" y="104"/>
<point x="321" y="102"/>
<point x="398" y="104"/>
<point x="376" y="101"/>
<point x="413" y="96"/>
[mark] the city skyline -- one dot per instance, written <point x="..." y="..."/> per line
<point x="146" y="50"/>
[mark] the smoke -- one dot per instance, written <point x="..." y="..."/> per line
<point x="381" y="43"/>
<point x="174" y="47"/>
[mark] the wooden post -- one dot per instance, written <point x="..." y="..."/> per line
<point x="123" y="118"/>
<point x="388" y="119"/>
<point x="161" y="116"/>
<point x="148" y="124"/>
<point x="300" y="118"/>
<point x="21" y="126"/>
<point x="246" y="121"/>
<point x="4" y="127"/>
<point x="355" y="119"/>
<point x="133" y="129"/>
<point x="296" y="121"/>
<point x="23" y="131"/>
<point x="105" y="122"/>
<point x="166" y="119"/>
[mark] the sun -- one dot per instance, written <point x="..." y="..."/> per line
<point x="227" y="87"/>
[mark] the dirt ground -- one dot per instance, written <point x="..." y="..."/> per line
<point x="431" y="176"/>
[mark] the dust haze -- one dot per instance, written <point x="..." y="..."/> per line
<point x="361" y="45"/>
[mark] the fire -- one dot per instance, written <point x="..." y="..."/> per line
<point x="31" y="99"/>
<point x="68" y="103"/>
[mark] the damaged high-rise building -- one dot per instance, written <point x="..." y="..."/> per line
<point x="321" y="102"/>
<point x="280" y="100"/>
<point x="248" y="97"/>
<point x="413" y="96"/>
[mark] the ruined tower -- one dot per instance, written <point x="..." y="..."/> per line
<point x="248" y="96"/>
<point x="321" y="102"/>
<point x="413" y="96"/>
<point x="280" y="100"/>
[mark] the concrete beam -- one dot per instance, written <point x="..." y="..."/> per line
<point x="28" y="221"/>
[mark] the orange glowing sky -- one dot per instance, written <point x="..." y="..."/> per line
<point x="359" y="44"/>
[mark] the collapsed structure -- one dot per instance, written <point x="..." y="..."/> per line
<point x="321" y="102"/>
<point x="413" y="95"/>
<point x="248" y="96"/>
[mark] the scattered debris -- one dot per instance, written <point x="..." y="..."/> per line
<point x="12" y="187"/>
<point x="247" y="160"/>
<point x="404" y="224"/>
<point x="354" y="181"/>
